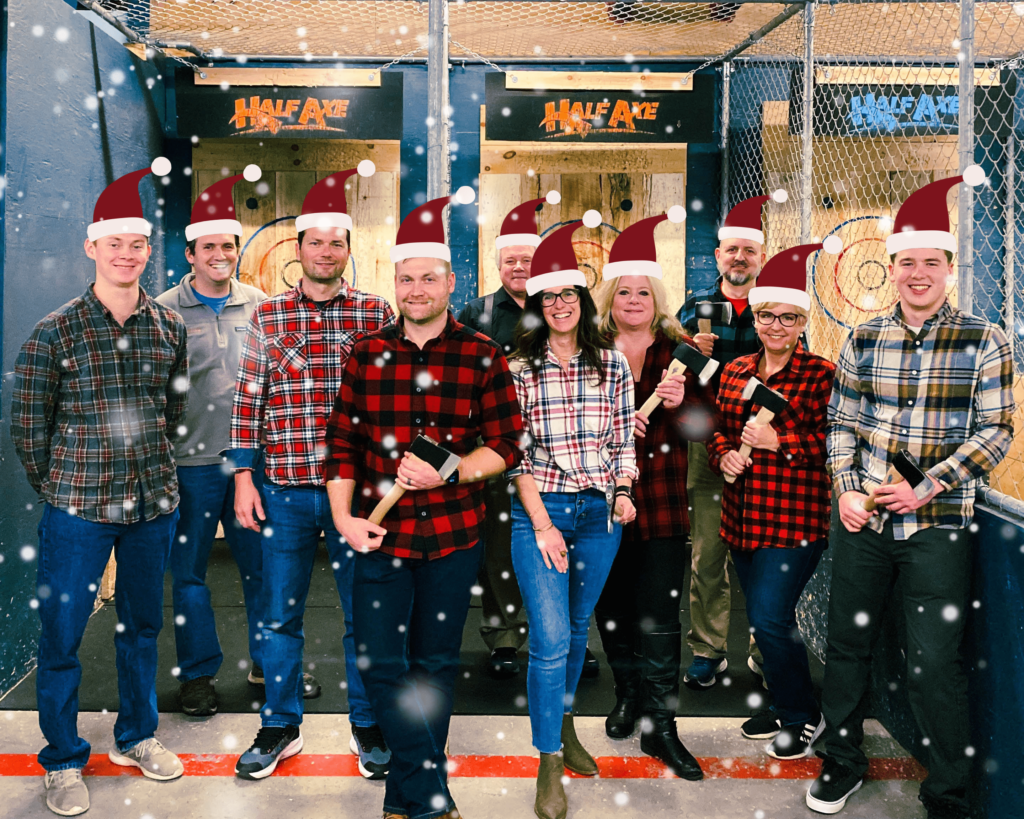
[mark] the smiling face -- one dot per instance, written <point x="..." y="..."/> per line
<point x="561" y="317"/>
<point x="514" y="268"/>
<point x="776" y="337"/>
<point x="739" y="260"/>
<point x="422" y="288"/>
<point x="214" y="260"/>
<point x="633" y="303"/>
<point x="324" y="254"/>
<point x="921" y="277"/>
<point x="120" y="259"/>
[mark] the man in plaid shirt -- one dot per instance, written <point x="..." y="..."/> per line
<point x="427" y="375"/>
<point x="292" y="361"/>
<point x="100" y="390"/>
<point x="937" y="382"/>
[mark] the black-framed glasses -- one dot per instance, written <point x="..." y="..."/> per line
<point x="568" y="296"/>
<point x="766" y="319"/>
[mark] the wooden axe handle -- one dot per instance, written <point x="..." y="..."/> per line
<point x="891" y="477"/>
<point x="652" y="403"/>
<point x="762" y="419"/>
<point x="703" y="325"/>
<point x="385" y="504"/>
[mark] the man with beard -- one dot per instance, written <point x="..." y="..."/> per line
<point x="427" y="375"/>
<point x="740" y="256"/>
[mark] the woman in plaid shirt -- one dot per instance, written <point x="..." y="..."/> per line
<point x="576" y="395"/>
<point x="775" y="516"/>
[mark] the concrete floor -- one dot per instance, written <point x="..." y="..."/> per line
<point x="294" y="793"/>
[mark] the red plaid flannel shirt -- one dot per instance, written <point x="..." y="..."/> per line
<point x="456" y="390"/>
<point x="291" y="367"/>
<point x="785" y="498"/>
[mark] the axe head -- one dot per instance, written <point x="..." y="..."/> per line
<point x="764" y="397"/>
<point x="717" y="311"/>
<point x="906" y="464"/>
<point x="693" y="359"/>
<point x="436" y="455"/>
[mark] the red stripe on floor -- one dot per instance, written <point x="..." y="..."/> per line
<point x="512" y="767"/>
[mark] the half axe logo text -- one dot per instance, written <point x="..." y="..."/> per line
<point x="277" y="115"/>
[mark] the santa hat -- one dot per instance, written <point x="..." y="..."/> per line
<point x="744" y="220"/>
<point x="520" y="226"/>
<point x="923" y="221"/>
<point x="784" y="278"/>
<point x="324" y="205"/>
<point x="214" y="210"/>
<point x="421" y="233"/>
<point x="554" y="264"/>
<point x="633" y="252"/>
<point x="119" y="208"/>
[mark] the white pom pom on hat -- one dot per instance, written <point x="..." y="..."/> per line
<point x="553" y="197"/>
<point x="465" y="195"/>
<point x="780" y="196"/>
<point x="677" y="214"/>
<point x="161" y="166"/>
<point x="252" y="173"/>
<point x="592" y="218"/>
<point x="833" y="244"/>
<point x="366" y="168"/>
<point x="973" y="175"/>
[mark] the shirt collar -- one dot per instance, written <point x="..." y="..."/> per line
<point x="446" y="331"/>
<point x="190" y="299"/>
<point x="796" y="361"/>
<point x="300" y="294"/>
<point x="944" y="312"/>
<point x="501" y="296"/>
<point x="554" y="359"/>
<point x="94" y="303"/>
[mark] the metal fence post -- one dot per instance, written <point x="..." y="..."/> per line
<point x="1010" y="242"/>
<point x="724" y="144"/>
<point x="438" y="159"/>
<point x="807" y="147"/>
<point x="965" y="211"/>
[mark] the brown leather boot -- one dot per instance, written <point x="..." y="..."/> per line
<point x="577" y="759"/>
<point x="551" y="802"/>
<point x="389" y="815"/>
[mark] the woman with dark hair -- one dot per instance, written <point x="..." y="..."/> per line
<point x="573" y="494"/>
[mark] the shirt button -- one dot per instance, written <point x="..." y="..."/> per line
<point x="419" y="389"/>
<point x="423" y="514"/>
<point x="918" y="343"/>
<point x="913" y="372"/>
<point x="910" y="403"/>
<point x="419" y="420"/>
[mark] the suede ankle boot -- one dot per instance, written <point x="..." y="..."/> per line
<point x="551" y="802"/>
<point x="577" y="759"/>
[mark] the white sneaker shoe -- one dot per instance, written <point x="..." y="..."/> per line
<point x="66" y="794"/>
<point x="155" y="761"/>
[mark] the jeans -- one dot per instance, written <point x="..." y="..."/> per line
<point x="558" y="606"/>
<point x="208" y="497"/>
<point x="409" y="617"/>
<point x="934" y="570"/>
<point x="503" y="623"/>
<point x="772" y="580"/>
<point x="72" y="556"/>
<point x="296" y="515"/>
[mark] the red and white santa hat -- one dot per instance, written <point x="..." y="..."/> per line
<point x="555" y="264"/>
<point x="421" y="234"/>
<point x="923" y="220"/>
<point x="784" y="278"/>
<point x="214" y="210"/>
<point x="744" y="220"/>
<point x="119" y="208"/>
<point x="325" y="206"/>
<point x="633" y="252"/>
<point x="520" y="226"/>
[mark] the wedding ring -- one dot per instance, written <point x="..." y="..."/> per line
<point x="562" y="554"/>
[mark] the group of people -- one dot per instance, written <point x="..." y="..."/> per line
<point x="564" y="455"/>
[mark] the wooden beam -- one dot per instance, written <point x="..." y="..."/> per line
<point x="904" y="75"/>
<point x="293" y="77"/>
<point x="596" y="81"/>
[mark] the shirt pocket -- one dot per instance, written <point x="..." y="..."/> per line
<point x="288" y="352"/>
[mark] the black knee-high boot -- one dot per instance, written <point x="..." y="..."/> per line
<point x="620" y="647"/>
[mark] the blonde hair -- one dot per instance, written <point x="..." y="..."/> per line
<point x="771" y="305"/>
<point x="663" y="321"/>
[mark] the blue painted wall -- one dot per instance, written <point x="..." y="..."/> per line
<point x="63" y="145"/>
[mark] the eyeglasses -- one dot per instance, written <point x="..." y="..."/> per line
<point x="766" y="319"/>
<point x="567" y="296"/>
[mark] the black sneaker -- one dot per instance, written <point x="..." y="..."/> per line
<point x="794" y="741"/>
<point x="270" y="747"/>
<point x="310" y="687"/>
<point x="198" y="697"/>
<point x="503" y="663"/>
<point x="373" y="752"/>
<point x="834" y="785"/>
<point x="763" y="725"/>
<point x="591" y="665"/>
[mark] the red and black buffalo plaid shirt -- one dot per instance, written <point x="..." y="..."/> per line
<point x="784" y="499"/>
<point x="456" y="390"/>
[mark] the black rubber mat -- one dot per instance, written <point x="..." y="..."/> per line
<point x="476" y="692"/>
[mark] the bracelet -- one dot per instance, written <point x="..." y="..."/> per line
<point x="550" y="525"/>
<point x="624" y="490"/>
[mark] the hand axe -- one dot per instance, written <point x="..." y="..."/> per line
<point x="904" y="468"/>
<point x="771" y="403"/>
<point x="427" y="450"/>
<point x="684" y="357"/>
<point x="708" y="311"/>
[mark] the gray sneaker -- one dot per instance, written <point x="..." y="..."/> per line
<point x="155" y="761"/>
<point x="66" y="794"/>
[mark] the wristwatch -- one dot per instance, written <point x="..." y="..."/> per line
<point x="453" y="478"/>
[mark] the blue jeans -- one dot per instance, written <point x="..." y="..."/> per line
<point x="296" y="515"/>
<point x="208" y="497"/>
<point x="558" y="606"/>
<point x="772" y="581"/>
<point x="409" y="617"/>
<point x="72" y="556"/>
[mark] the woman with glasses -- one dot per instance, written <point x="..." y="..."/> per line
<point x="573" y="494"/>
<point x="775" y="513"/>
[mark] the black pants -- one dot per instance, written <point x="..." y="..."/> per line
<point x="934" y="569"/>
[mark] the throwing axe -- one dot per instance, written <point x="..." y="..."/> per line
<point x="771" y="403"/>
<point x="904" y="467"/>
<point x="427" y="450"/>
<point x="708" y="311"/>
<point x="684" y="357"/>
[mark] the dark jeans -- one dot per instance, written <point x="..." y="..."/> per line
<point x="296" y="515"/>
<point x="208" y="498"/>
<point x="72" y="555"/>
<point x="409" y="618"/>
<point x="934" y="569"/>
<point x="503" y="622"/>
<point x="772" y="580"/>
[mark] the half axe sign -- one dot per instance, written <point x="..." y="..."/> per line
<point x="427" y="450"/>
<point x="904" y="467"/>
<point x="708" y="311"/>
<point x="771" y="403"/>
<point x="684" y="357"/>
